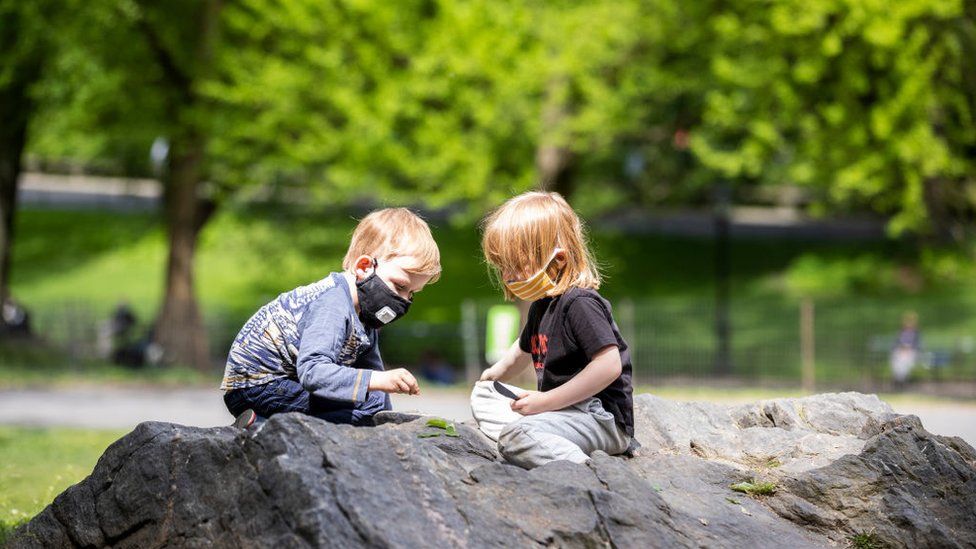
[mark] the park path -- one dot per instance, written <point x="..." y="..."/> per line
<point x="118" y="408"/>
<point x="124" y="408"/>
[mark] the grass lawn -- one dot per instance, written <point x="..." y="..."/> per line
<point x="37" y="464"/>
<point x="72" y="267"/>
<point x="248" y="256"/>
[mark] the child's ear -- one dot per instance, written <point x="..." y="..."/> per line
<point x="363" y="266"/>
<point x="559" y="260"/>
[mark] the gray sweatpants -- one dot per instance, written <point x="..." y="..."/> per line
<point x="572" y="433"/>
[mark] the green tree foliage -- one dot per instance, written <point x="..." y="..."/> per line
<point x="448" y="102"/>
<point x="99" y="106"/>
<point x="443" y="102"/>
<point x="405" y="101"/>
<point x="868" y="103"/>
<point x="654" y="89"/>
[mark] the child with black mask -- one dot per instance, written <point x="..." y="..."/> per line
<point x="314" y="350"/>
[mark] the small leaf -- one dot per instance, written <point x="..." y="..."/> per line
<point x="437" y="422"/>
<point x="755" y="488"/>
<point x="742" y="487"/>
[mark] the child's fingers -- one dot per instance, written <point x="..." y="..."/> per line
<point x="414" y="386"/>
<point x="405" y="382"/>
<point x="517" y="406"/>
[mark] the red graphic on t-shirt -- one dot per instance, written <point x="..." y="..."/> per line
<point x="540" y="346"/>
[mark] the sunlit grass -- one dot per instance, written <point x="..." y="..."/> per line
<point x="38" y="464"/>
<point x="94" y="258"/>
<point x="864" y="540"/>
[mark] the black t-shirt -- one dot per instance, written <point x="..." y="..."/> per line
<point x="564" y="332"/>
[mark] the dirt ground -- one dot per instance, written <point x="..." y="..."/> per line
<point x="113" y="408"/>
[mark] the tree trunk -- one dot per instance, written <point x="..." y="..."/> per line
<point x="14" y="106"/>
<point x="15" y="110"/>
<point x="937" y="207"/>
<point x="180" y="329"/>
<point x="555" y="167"/>
<point x="554" y="160"/>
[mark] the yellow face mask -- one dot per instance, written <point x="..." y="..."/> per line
<point x="536" y="286"/>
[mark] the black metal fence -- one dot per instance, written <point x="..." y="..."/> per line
<point x="85" y="331"/>
<point x="843" y="344"/>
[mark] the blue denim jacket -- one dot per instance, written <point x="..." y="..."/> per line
<point x="313" y="335"/>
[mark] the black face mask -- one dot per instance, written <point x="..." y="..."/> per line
<point x="378" y="304"/>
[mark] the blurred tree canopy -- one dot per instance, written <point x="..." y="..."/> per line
<point x="442" y="102"/>
<point x="869" y="103"/>
<point x="866" y="107"/>
<point x="864" y="104"/>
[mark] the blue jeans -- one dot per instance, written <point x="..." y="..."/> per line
<point x="287" y="395"/>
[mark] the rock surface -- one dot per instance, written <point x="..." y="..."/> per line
<point x="842" y="465"/>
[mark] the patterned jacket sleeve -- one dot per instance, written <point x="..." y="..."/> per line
<point x="326" y="329"/>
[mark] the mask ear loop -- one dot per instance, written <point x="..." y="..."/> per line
<point x="544" y="269"/>
<point x="559" y="272"/>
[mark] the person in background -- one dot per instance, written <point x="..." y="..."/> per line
<point x="435" y="369"/>
<point x="15" y="320"/>
<point x="907" y="347"/>
<point x="583" y="403"/>
<point x="315" y="349"/>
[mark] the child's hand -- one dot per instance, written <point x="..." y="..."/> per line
<point x="394" y="381"/>
<point x="491" y="374"/>
<point x="530" y="403"/>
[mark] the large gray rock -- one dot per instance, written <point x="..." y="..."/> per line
<point x="842" y="464"/>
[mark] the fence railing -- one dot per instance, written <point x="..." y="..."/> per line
<point x="847" y="344"/>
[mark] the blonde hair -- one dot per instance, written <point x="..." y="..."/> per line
<point x="395" y="232"/>
<point x="522" y="233"/>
